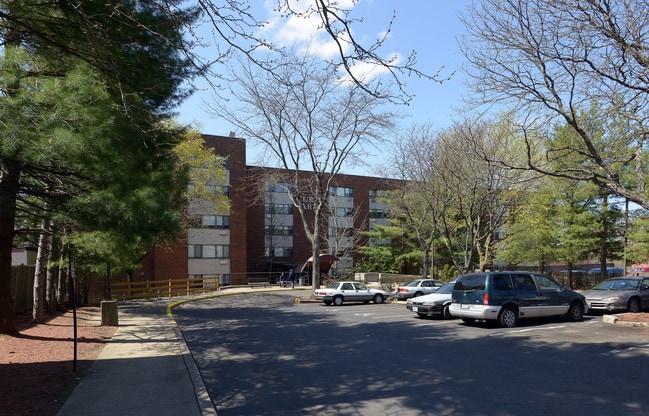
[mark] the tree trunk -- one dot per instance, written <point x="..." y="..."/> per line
<point x="9" y="180"/>
<point x="50" y="282"/>
<point x="603" y="248"/>
<point x="38" y="308"/>
<point x="61" y="287"/>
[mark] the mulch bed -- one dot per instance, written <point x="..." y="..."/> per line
<point x="38" y="370"/>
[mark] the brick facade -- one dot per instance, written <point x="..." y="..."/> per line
<point x="247" y="216"/>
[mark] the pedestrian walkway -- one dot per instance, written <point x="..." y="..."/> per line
<point x="146" y="368"/>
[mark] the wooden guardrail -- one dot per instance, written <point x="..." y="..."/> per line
<point x="164" y="288"/>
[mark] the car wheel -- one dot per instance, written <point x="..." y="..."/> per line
<point x="468" y="320"/>
<point x="575" y="311"/>
<point x="634" y="305"/>
<point x="327" y="302"/>
<point x="378" y="299"/>
<point x="417" y="294"/>
<point x="508" y="317"/>
<point x="446" y="312"/>
<point x="338" y="300"/>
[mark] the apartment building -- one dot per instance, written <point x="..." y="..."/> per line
<point x="263" y="234"/>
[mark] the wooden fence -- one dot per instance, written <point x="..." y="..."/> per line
<point x="164" y="288"/>
<point x="22" y="287"/>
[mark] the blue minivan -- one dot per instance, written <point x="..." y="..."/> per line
<point x="509" y="296"/>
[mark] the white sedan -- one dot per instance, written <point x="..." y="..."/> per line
<point x="339" y="292"/>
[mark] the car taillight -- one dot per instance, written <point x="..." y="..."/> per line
<point x="485" y="299"/>
<point x="402" y="290"/>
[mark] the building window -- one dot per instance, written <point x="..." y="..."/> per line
<point x="282" y="209"/>
<point x="279" y="187"/>
<point x="340" y="232"/>
<point x="213" y="221"/>
<point x="278" y="230"/>
<point x="279" y="251"/>
<point x="377" y="213"/>
<point x="345" y="192"/>
<point x="376" y="194"/>
<point x="344" y="212"/>
<point x="208" y="251"/>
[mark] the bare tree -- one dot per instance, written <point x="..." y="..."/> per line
<point x="418" y="204"/>
<point x="312" y="124"/>
<point x="474" y="195"/>
<point x="342" y="235"/>
<point x="237" y="31"/>
<point x="554" y="62"/>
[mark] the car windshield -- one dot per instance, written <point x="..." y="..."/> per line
<point x="414" y="283"/>
<point x="446" y="289"/>
<point x="333" y="285"/>
<point x="618" y="284"/>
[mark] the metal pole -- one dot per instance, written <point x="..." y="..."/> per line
<point x="73" y="298"/>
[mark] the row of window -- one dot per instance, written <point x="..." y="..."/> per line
<point x="208" y="251"/>
<point x="343" y="212"/>
<point x="344" y="192"/>
<point x="278" y="251"/>
<point x="278" y="230"/>
<point x="279" y="209"/>
<point x="212" y="221"/>
<point x="340" y="232"/>
<point x="279" y="187"/>
<point x="283" y="187"/>
<point x="220" y="189"/>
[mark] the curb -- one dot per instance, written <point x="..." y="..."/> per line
<point x="615" y="320"/>
<point x="202" y="396"/>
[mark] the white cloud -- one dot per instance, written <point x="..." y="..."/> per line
<point x="305" y="32"/>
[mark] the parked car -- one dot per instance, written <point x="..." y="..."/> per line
<point x="416" y="288"/>
<point x="610" y="272"/>
<point x="340" y="292"/>
<point x="508" y="296"/>
<point x="433" y="304"/>
<point x="619" y="294"/>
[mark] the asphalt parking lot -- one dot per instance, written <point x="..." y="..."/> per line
<point x="266" y="354"/>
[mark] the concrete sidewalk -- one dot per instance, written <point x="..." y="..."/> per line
<point x="146" y="368"/>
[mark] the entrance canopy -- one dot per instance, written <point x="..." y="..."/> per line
<point x="326" y="261"/>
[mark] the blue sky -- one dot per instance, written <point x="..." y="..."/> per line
<point x="430" y="27"/>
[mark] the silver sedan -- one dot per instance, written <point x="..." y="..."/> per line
<point x="619" y="294"/>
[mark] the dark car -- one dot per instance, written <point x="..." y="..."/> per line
<point x="508" y="296"/>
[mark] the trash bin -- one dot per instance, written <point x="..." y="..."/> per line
<point x="300" y="281"/>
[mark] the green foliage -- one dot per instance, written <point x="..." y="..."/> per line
<point x="381" y="255"/>
<point x="638" y="237"/>
<point x="86" y="90"/>
<point x="206" y="174"/>
<point x="448" y="273"/>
